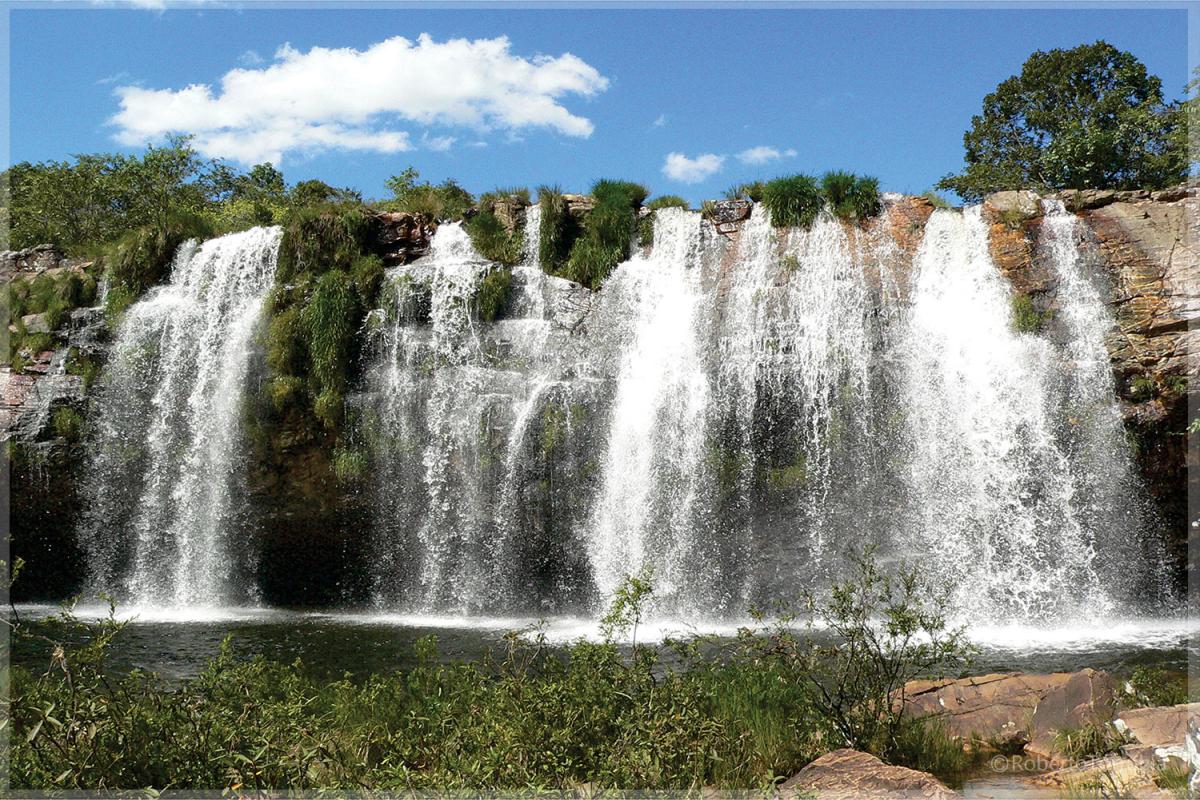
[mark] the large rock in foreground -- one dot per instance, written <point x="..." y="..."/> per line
<point x="850" y="775"/>
<point x="1015" y="706"/>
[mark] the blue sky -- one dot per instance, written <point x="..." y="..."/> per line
<point x="886" y="92"/>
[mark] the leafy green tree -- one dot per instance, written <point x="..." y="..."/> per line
<point x="1088" y="117"/>
<point x="445" y="201"/>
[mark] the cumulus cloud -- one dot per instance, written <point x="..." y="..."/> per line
<point x="661" y="122"/>
<point x="250" y="58"/>
<point x="764" y="154"/>
<point x="679" y="167"/>
<point x="349" y="99"/>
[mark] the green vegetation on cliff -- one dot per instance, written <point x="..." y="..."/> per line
<point x="326" y="281"/>
<point x="736" y="713"/>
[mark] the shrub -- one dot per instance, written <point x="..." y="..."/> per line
<point x="445" y="202"/>
<point x="607" y="232"/>
<point x="558" y="230"/>
<point x="1150" y="686"/>
<point x="937" y="200"/>
<point x="722" y="713"/>
<point x="850" y="197"/>
<point x="794" y="201"/>
<point x="349" y="465"/>
<point x="1090" y="740"/>
<point x="491" y="295"/>
<point x="68" y="423"/>
<point x="492" y="241"/>
<point x="1026" y="318"/>
<point x="746" y="191"/>
<point x="328" y="322"/>
<point x="667" y="201"/>
<point x="142" y="258"/>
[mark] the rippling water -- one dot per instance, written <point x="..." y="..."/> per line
<point x="176" y="644"/>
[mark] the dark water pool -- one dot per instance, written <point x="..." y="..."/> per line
<point x="177" y="646"/>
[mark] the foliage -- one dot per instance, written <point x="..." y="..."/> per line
<point x="1025" y="316"/>
<point x="607" y="232"/>
<point x="67" y="423"/>
<point x="753" y="191"/>
<point x="1149" y="686"/>
<point x="349" y="465"/>
<point x="668" y="201"/>
<point x="851" y="198"/>
<point x="491" y="295"/>
<point x="558" y="230"/>
<point x="51" y="294"/>
<point x="326" y="279"/>
<point x="1090" y="740"/>
<point x="446" y="201"/>
<point x="794" y="201"/>
<point x="888" y="630"/>
<point x="142" y="257"/>
<point x="1088" y="117"/>
<point x="492" y="241"/>
<point x="722" y="713"/>
<point x="937" y="200"/>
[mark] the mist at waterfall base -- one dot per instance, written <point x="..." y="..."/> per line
<point x="736" y="413"/>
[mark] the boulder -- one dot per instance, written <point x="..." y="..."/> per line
<point x="1009" y="207"/>
<point x="579" y="205"/>
<point x="1008" y="706"/>
<point x="510" y="211"/>
<point x="402" y="237"/>
<point x="1081" y="199"/>
<point x="1171" y="195"/>
<point x="36" y="323"/>
<point x="850" y="775"/>
<point x="1162" y="727"/>
<point x="720" y="212"/>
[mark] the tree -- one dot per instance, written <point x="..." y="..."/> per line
<point x="1089" y="117"/>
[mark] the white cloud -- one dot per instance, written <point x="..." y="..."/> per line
<point x="661" y="122"/>
<point x="764" y="154"/>
<point x="679" y="167"/>
<point x="250" y="58"/>
<point x="351" y="99"/>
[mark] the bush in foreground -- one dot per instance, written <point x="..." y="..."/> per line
<point x="740" y="713"/>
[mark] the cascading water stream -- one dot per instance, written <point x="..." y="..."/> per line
<point x="164" y="479"/>
<point x="655" y="477"/>
<point x="994" y="496"/>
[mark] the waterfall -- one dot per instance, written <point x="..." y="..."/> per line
<point x="656" y="478"/>
<point x="163" y="482"/>
<point x="995" y="497"/>
<point x="736" y="411"/>
<point x="740" y="413"/>
<point x="468" y="411"/>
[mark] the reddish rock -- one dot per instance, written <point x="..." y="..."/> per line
<point x="1015" y="705"/>
<point x="854" y="775"/>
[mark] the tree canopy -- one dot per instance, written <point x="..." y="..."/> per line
<point x="1088" y="117"/>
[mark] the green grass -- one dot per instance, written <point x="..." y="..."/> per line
<point x="794" y="201"/>
<point x="746" y="191"/>
<point x="492" y="241"/>
<point x="68" y="423"/>
<point x="607" y="232"/>
<point x="936" y="200"/>
<point x="1090" y="740"/>
<point x="492" y="293"/>
<point x="852" y="198"/>
<point x="1025" y="316"/>
<point x="558" y="230"/>
<point x="142" y="257"/>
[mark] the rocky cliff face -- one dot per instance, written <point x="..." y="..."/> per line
<point x="1145" y="241"/>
